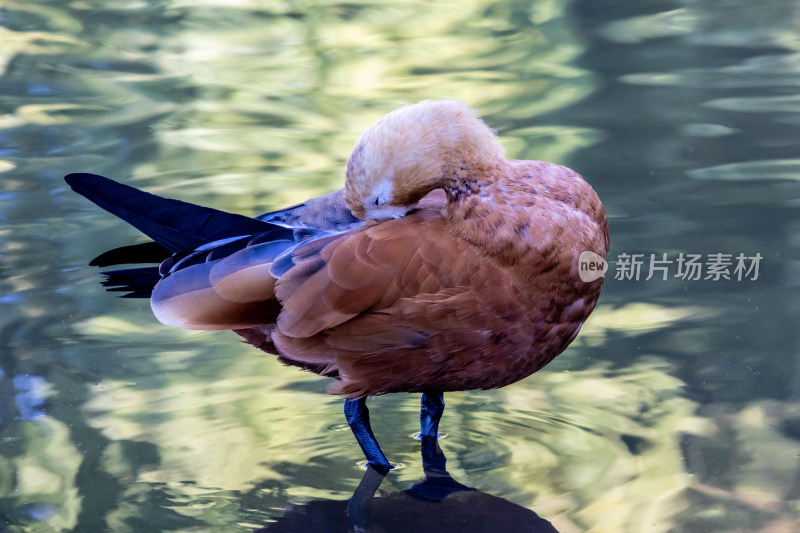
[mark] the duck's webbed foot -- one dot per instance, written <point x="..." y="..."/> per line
<point x="357" y="415"/>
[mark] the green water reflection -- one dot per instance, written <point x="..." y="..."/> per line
<point x="675" y="410"/>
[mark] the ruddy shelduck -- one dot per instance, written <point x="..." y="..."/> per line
<point x="441" y="266"/>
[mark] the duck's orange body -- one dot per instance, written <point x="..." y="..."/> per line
<point x="417" y="303"/>
<point x="463" y="276"/>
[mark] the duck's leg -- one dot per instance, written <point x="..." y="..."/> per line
<point x="357" y="415"/>
<point x="431" y="409"/>
<point x="430" y="412"/>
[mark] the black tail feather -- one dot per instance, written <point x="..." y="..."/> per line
<point x="147" y="252"/>
<point x="139" y="281"/>
<point x="173" y="224"/>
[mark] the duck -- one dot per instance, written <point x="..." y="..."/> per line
<point x="440" y="266"/>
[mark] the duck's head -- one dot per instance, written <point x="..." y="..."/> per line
<point x="410" y="152"/>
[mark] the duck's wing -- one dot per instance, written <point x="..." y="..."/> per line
<point x="230" y="283"/>
<point x="322" y="277"/>
<point x="225" y="284"/>
<point x="328" y="281"/>
<point x="215" y="266"/>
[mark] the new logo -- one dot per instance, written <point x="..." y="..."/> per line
<point x="591" y="266"/>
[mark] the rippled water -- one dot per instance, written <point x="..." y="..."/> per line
<point x="675" y="410"/>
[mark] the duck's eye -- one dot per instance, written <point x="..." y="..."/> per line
<point x="377" y="201"/>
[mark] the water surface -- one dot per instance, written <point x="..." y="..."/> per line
<point x="675" y="410"/>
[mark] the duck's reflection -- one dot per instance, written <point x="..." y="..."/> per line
<point x="438" y="503"/>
